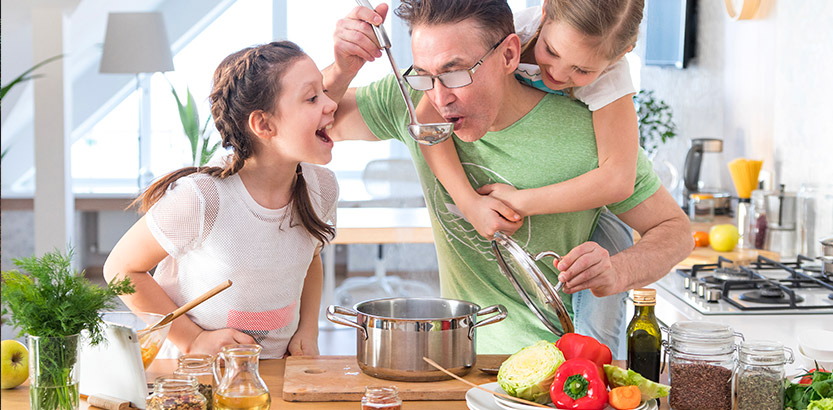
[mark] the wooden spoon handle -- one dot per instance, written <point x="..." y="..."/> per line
<point x="519" y="400"/>
<point x="205" y="296"/>
<point x="192" y="304"/>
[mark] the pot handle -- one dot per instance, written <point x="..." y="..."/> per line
<point x="333" y="311"/>
<point x="501" y="314"/>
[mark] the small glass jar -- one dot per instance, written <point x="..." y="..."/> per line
<point x="381" y="398"/>
<point x="201" y="367"/>
<point x="176" y="393"/>
<point x="701" y="207"/>
<point x="759" y="381"/>
<point x="701" y="360"/>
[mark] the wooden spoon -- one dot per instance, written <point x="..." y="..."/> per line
<point x="186" y="307"/>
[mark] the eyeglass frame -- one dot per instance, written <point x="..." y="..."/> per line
<point x="470" y="71"/>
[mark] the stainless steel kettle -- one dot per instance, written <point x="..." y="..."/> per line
<point x="702" y="172"/>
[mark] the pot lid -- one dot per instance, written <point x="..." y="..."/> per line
<point x="535" y="289"/>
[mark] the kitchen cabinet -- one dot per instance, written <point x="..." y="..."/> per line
<point x="272" y="372"/>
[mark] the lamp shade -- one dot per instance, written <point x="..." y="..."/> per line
<point x="136" y="43"/>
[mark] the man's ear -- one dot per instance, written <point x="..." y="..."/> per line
<point x="511" y="54"/>
<point x="261" y="124"/>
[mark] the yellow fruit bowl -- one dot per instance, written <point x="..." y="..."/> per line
<point x="149" y="342"/>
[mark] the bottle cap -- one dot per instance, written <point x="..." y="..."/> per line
<point x="644" y="297"/>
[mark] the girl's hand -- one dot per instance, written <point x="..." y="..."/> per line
<point x="211" y="341"/>
<point x="503" y="192"/>
<point x="304" y="343"/>
<point x="354" y="39"/>
<point x="488" y="215"/>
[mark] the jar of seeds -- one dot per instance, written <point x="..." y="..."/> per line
<point x="759" y="380"/>
<point x="701" y="361"/>
<point x="176" y="393"/>
<point x="201" y="367"/>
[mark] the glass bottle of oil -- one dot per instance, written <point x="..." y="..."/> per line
<point x="241" y="387"/>
<point x="644" y="337"/>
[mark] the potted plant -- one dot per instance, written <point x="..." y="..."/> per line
<point x="656" y="123"/>
<point x="26" y="76"/>
<point x="201" y="151"/>
<point x="52" y="304"/>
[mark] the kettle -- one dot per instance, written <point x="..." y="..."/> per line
<point x="702" y="173"/>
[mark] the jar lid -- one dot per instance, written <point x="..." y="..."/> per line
<point x="765" y="352"/>
<point x="701" y="196"/>
<point x="644" y="297"/>
<point x="702" y="332"/>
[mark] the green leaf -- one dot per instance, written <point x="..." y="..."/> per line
<point x="25" y="76"/>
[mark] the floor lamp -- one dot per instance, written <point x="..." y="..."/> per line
<point x="137" y="43"/>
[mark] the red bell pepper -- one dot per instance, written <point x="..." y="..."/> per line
<point x="578" y="385"/>
<point x="574" y="345"/>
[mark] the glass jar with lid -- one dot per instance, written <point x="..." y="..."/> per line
<point x="381" y="398"/>
<point x="701" y="207"/>
<point x="701" y="361"/>
<point x="201" y="367"/>
<point x="759" y="380"/>
<point x="176" y="393"/>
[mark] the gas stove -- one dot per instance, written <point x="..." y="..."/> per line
<point x="765" y="287"/>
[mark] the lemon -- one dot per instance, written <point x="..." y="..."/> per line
<point x="723" y="237"/>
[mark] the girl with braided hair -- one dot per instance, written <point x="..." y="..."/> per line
<point x="259" y="216"/>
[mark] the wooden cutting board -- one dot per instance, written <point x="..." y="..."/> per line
<point x="339" y="378"/>
<point x="704" y="255"/>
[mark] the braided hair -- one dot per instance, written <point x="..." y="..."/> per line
<point x="244" y="82"/>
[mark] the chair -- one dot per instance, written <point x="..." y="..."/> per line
<point x="391" y="182"/>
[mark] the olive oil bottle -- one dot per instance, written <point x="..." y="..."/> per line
<point x="644" y="336"/>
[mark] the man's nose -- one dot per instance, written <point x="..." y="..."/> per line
<point x="440" y="94"/>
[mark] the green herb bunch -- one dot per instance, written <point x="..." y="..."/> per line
<point x="656" y="123"/>
<point x="54" y="300"/>
<point x="53" y="304"/>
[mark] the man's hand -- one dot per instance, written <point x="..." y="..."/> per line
<point x="304" y="343"/>
<point x="354" y="39"/>
<point x="588" y="266"/>
<point x="489" y="215"/>
<point x="211" y="341"/>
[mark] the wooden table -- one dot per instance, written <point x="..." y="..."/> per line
<point x="272" y="373"/>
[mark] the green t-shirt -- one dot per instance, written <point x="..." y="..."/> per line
<point x="554" y="142"/>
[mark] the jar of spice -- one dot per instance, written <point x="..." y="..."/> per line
<point x="701" y="360"/>
<point x="701" y="207"/>
<point x="176" y="393"/>
<point x="759" y="381"/>
<point x="381" y="398"/>
<point x="201" y="367"/>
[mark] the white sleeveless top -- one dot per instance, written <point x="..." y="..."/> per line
<point x="213" y="230"/>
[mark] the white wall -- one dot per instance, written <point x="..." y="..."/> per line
<point x="763" y="85"/>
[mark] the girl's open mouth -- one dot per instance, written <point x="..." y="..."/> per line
<point x="322" y="133"/>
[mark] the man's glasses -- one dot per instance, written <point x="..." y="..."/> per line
<point x="450" y="79"/>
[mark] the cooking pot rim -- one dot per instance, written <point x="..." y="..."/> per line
<point x="356" y="308"/>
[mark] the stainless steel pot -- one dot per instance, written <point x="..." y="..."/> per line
<point x="827" y="255"/>
<point x="394" y="334"/>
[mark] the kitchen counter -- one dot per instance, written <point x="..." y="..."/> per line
<point x="272" y="373"/>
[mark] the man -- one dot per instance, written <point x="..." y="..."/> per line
<point x="512" y="134"/>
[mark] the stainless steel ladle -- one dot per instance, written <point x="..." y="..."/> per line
<point x="427" y="134"/>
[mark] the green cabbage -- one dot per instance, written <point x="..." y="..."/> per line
<point x="617" y="376"/>
<point x="821" y="404"/>
<point x="529" y="373"/>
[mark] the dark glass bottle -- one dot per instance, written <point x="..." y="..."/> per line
<point x="644" y="336"/>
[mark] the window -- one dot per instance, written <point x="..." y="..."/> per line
<point x="112" y="144"/>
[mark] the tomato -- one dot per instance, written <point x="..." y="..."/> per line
<point x="807" y="379"/>
<point x="701" y="238"/>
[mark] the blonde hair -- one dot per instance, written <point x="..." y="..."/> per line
<point x="612" y="25"/>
